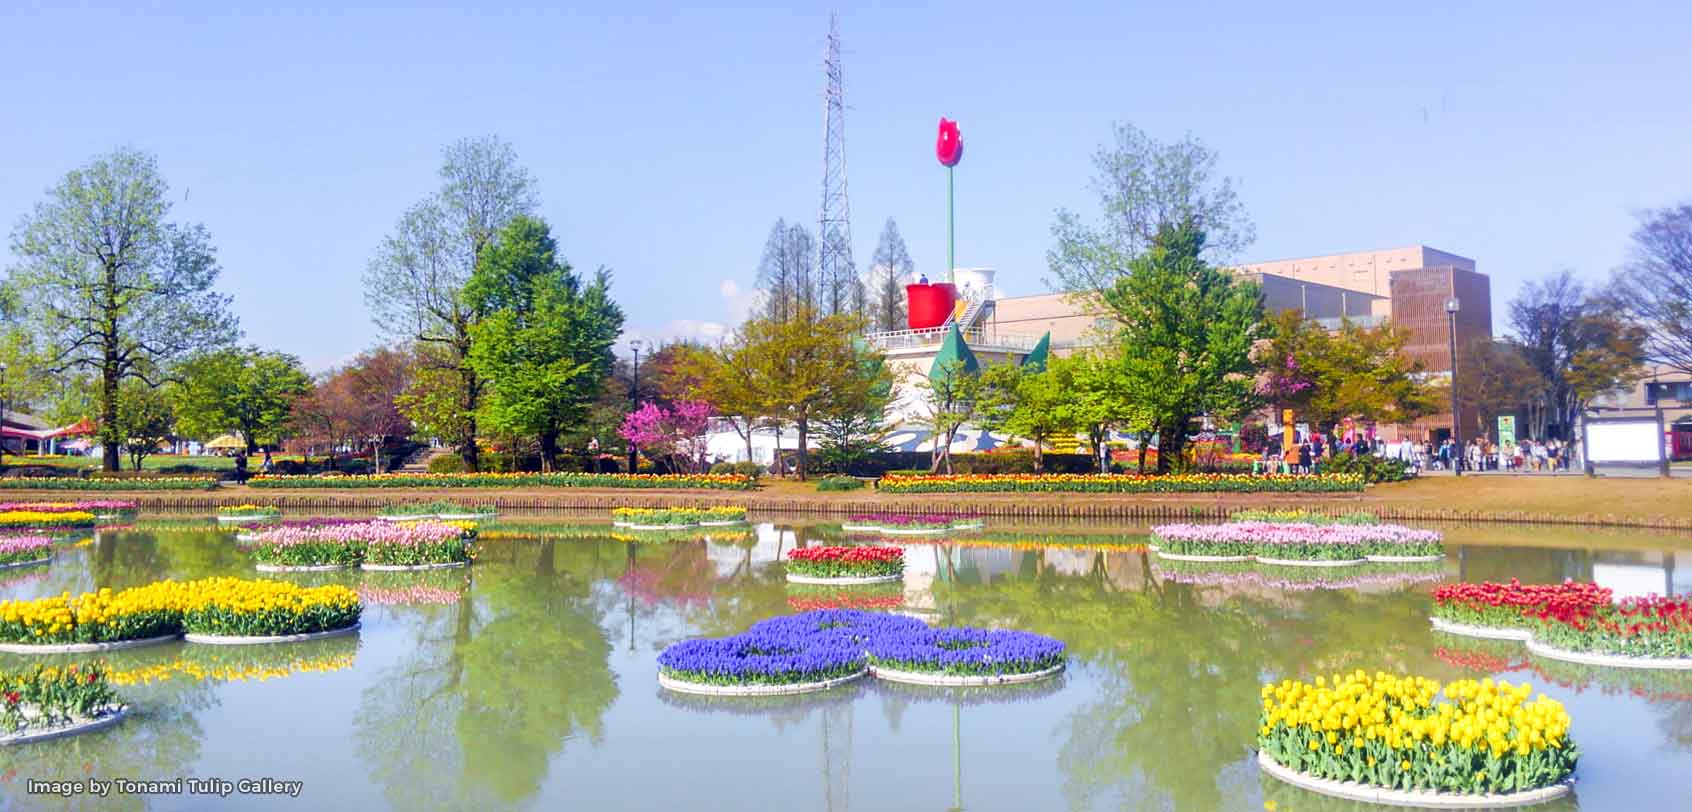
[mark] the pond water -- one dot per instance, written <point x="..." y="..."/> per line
<point x="528" y="681"/>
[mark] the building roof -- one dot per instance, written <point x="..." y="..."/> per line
<point x="1035" y="360"/>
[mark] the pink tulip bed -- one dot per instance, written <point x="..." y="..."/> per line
<point x="25" y="549"/>
<point x="376" y="542"/>
<point x="1298" y="541"/>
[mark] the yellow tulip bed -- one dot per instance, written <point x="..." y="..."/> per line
<point x="220" y="606"/>
<point x="16" y="519"/>
<point x="677" y="517"/>
<point x="1395" y="732"/>
<point x="45" y="696"/>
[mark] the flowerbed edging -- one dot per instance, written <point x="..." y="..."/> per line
<point x="1351" y="790"/>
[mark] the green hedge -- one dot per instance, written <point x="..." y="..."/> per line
<point x="731" y="482"/>
<point x="70" y="483"/>
<point x="839" y="483"/>
<point x="1127" y="483"/>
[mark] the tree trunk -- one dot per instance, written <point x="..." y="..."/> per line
<point x="1039" y="456"/>
<point x="109" y="459"/>
<point x="467" y="449"/>
<point x="549" y="451"/>
<point x="1170" y="440"/>
<point x="748" y="438"/>
<point x="804" y="425"/>
<point x="1144" y="439"/>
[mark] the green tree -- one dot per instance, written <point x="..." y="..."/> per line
<point x="1494" y="377"/>
<point x="853" y="422"/>
<point x="727" y="377"/>
<point x="113" y="287"/>
<point x="1186" y="331"/>
<point x="543" y="344"/>
<point x="145" y="418"/>
<point x="1034" y="404"/>
<point x="950" y="396"/>
<point x="1145" y="186"/>
<point x="808" y="365"/>
<point x="414" y="286"/>
<point x="1330" y="375"/>
<point x="245" y="390"/>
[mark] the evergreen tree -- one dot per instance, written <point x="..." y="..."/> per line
<point x="544" y="341"/>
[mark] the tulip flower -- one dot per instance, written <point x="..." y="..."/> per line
<point x="949" y="147"/>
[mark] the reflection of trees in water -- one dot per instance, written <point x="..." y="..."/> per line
<point x="133" y="558"/>
<point x="496" y="685"/>
<point x="160" y="739"/>
<point x="1176" y="667"/>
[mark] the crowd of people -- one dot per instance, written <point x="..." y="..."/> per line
<point x="1478" y="454"/>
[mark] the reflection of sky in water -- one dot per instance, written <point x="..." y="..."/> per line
<point x="536" y="688"/>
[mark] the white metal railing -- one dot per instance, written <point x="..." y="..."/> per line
<point x="975" y="336"/>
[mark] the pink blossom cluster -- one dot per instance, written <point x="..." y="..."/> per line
<point x="399" y="533"/>
<point x="1276" y="533"/>
<point x="24" y="544"/>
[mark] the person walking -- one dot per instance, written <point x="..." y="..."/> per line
<point x="268" y="466"/>
<point x="241" y="466"/>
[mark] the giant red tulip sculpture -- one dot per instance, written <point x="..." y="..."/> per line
<point x="949" y="149"/>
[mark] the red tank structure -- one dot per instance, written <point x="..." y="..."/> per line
<point x="929" y="305"/>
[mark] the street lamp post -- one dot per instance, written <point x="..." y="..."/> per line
<point x="2" y="410"/>
<point x="634" y="403"/>
<point x="1451" y="307"/>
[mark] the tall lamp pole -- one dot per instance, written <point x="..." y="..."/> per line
<point x="1451" y="307"/>
<point x="634" y="402"/>
<point x="2" y="410"/>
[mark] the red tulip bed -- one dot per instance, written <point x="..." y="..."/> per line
<point x="846" y="562"/>
<point x="1575" y="617"/>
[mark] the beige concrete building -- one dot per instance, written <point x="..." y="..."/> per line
<point x="1662" y="388"/>
<point x="1364" y="271"/>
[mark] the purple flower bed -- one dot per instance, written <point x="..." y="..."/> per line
<point x="832" y="643"/>
<point x="966" y="652"/>
<point x="855" y="623"/>
<point x="778" y="657"/>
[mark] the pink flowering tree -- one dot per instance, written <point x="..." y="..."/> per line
<point x="676" y="434"/>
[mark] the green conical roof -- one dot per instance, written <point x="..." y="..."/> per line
<point x="1035" y="360"/>
<point x="953" y="348"/>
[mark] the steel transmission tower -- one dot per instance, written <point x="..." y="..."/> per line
<point x="841" y="289"/>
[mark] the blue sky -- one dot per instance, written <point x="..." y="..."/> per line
<point x="667" y="138"/>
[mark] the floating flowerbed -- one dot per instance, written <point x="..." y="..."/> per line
<point x="73" y="483"/>
<point x="1302" y="517"/>
<point x="248" y="513"/>
<point x="1297" y="543"/>
<point x="1393" y="739"/>
<point x="845" y="565"/>
<point x="25" y="551"/>
<point x="760" y="663"/>
<point x="900" y="524"/>
<point x="42" y="519"/>
<point x="252" y="535"/>
<point x="819" y="649"/>
<point x="674" y="518"/>
<point x="204" y="609"/>
<point x="1121" y="483"/>
<point x="435" y="510"/>
<point x="48" y="702"/>
<point x="964" y="656"/>
<point x="99" y="508"/>
<point x="235" y="611"/>
<point x="1578" y="622"/>
<point x="372" y="545"/>
<point x="730" y="482"/>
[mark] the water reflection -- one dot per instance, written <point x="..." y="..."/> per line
<point x="526" y="681"/>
